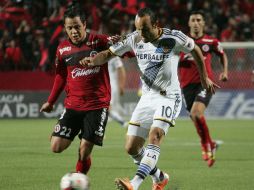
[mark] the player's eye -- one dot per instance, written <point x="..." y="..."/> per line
<point x="77" y="27"/>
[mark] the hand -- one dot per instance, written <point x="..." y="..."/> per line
<point x="121" y="91"/>
<point x="46" y="107"/>
<point x="114" y="38"/>
<point x="223" y="77"/>
<point x="252" y="78"/>
<point x="209" y="85"/>
<point x="87" y="61"/>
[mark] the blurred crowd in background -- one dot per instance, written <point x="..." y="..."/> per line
<point x="30" y="30"/>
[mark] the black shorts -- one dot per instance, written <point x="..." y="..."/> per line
<point x="90" y="125"/>
<point x="195" y="93"/>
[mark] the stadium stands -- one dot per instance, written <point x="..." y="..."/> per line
<point x="36" y="26"/>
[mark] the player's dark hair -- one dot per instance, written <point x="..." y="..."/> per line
<point x="147" y="11"/>
<point x="73" y="10"/>
<point x="198" y="12"/>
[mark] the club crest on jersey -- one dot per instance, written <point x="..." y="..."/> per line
<point x="57" y="128"/>
<point x="205" y="48"/>
<point x="68" y="48"/>
<point x="165" y="45"/>
<point x="93" y="53"/>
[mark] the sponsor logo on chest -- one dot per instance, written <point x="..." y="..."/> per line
<point x="79" y="72"/>
<point x="62" y="50"/>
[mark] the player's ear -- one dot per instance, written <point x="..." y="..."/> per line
<point x="156" y="24"/>
<point x="84" y="25"/>
<point x="64" y="29"/>
<point x="189" y="22"/>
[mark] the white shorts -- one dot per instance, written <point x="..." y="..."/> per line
<point x="154" y="110"/>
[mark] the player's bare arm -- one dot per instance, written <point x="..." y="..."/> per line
<point x="100" y="59"/>
<point x="224" y="61"/>
<point x="114" y="38"/>
<point x="46" y="107"/>
<point x="199" y="60"/>
<point x="122" y="78"/>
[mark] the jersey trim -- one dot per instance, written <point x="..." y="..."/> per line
<point x="112" y="52"/>
<point x="135" y="124"/>
<point x="165" y="120"/>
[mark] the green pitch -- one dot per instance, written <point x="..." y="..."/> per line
<point x="26" y="162"/>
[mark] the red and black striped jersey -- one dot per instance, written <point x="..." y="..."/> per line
<point x="87" y="88"/>
<point x="188" y="71"/>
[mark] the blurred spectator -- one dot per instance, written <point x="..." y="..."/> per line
<point x="229" y="33"/>
<point x="25" y="37"/>
<point x="2" y="59"/>
<point x="23" y="19"/>
<point x="245" y="26"/>
<point x="14" y="57"/>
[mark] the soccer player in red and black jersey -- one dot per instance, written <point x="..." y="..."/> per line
<point x="197" y="98"/>
<point x="87" y="90"/>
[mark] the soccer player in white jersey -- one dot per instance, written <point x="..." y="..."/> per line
<point x="117" y="76"/>
<point x="157" y="51"/>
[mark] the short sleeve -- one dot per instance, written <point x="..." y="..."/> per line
<point x="217" y="47"/>
<point x="123" y="46"/>
<point x="186" y="44"/>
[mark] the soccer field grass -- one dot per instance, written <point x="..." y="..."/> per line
<point x="26" y="162"/>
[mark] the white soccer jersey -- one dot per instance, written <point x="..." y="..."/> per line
<point x="158" y="60"/>
<point x="113" y="65"/>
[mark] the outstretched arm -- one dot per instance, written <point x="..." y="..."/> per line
<point x="99" y="59"/>
<point x="121" y="77"/>
<point x="224" y="61"/>
<point x="199" y="60"/>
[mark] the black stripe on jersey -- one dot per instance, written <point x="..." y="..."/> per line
<point x="175" y="33"/>
<point x="177" y="102"/>
<point x="165" y="45"/>
<point x="180" y="36"/>
<point x="167" y="31"/>
<point x="151" y="72"/>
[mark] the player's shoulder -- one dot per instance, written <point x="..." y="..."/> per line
<point x="63" y="43"/>
<point x="133" y="36"/>
<point x="64" y="46"/>
<point x="94" y="40"/>
<point x="92" y="36"/>
<point x="209" y="39"/>
<point x="176" y="34"/>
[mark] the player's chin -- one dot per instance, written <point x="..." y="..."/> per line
<point x="76" y="40"/>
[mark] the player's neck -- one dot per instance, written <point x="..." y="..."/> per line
<point x="197" y="35"/>
<point x="157" y="34"/>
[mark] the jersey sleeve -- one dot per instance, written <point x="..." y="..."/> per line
<point x="217" y="47"/>
<point x="185" y="43"/>
<point x="123" y="46"/>
<point x="60" y="79"/>
<point x="105" y="40"/>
